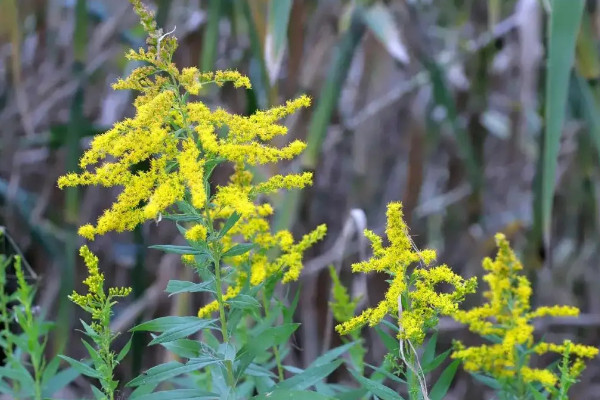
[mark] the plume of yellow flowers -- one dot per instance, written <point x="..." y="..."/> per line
<point x="507" y="315"/>
<point x="412" y="296"/>
<point x="174" y="139"/>
<point x="164" y="156"/>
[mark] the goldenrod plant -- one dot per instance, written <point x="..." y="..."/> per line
<point x="412" y="300"/>
<point x="25" y="373"/>
<point x="505" y="320"/>
<point x="230" y="241"/>
<point x="98" y="303"/>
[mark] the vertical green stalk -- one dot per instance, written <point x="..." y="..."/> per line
<point x="211" y="36"/>
<point x="414" y="389"/>
<point x="219" y="290"/>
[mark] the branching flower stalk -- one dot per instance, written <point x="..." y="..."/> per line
<point x="99" y="304"/>
<point x="412" y="298"/>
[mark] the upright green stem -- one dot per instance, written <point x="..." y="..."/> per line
<point x="414" y="389"/>
<point x="228" y="363"/>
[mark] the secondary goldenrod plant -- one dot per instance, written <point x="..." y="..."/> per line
<point x="25" y="372"/>
<point x="506" y="321"/>
<point x="99" y="304"/>
<point x="412" y="300"/>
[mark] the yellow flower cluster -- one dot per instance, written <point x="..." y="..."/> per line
<point x="95" y="301"/>
<point x="174" y="140"/>
<point x="424" y="302"/>
<point x="254" y="226"/>
<point x="508" y="315"/>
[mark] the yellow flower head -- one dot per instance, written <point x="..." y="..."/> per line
<point x="425" y="303"/>
<point x="507" y="315"/>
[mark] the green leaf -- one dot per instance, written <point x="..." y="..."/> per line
<point x="183" y="330"/>
<point x="591" y="111"/>
<point x="179" y="394"/>
<point x="429" y="352"/>
<point x="536" y="394"/>
<point x="244" y="302"/>
<point x="169" y="248"/>
<point x="378" y="389"/>
<point x="331" y="355"/>
<point x="54" y="383"/>
<point x="229" y="223"/>
<point x="165" y="323"/>
<point x="98" y="393"/>
<point x="388" y="374"/>
<point x="380" y="21"/>
<point x="439" y="390"/>
<point x="18" y="372"/>
<point x="433" y="364"/>
<point x="169" y="370"/>
<point x="124" y="350"/>
<point x="176" y="287"/>
<point x="185" y="348"/>
<point x="275" y="38"/>
<point x="292" y="394"/>
<point x="565" y="20"/>
<point x="391" y="343"/>
<point x="488" y="381"/>
<point x="93" y="353"/>
<point x="238" y="249"/>
<point x="309" y="377"/>
<point x="80" y="367"/>
<point x="257" y="370"/>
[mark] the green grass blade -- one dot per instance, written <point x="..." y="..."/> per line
<point x="276" y="35"/>
<point x="211" y="36"/>
<point x="328" y="100"/>
<point x="564" y="26"/>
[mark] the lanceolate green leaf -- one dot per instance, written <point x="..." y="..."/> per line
<point x="179" y="394"/>
<point x="276" y="35"/>
<point x="292" y="394"/>
<point x="310" y="376"/>
<point x="565" y="20"/>
<point x="80" y="367"/>
<point x="439" y="390"/>
<point x="170" y="370"/>
<point x="379" y="390"/>
<point x="163" y="324"/>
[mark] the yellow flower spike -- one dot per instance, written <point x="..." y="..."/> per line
<point x="95" y="300"/>
<point x="425" y="303"/>
<point x="277" y="182"/>
<point x="507" y="314"/>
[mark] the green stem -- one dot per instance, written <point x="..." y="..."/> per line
<point x="414" y="390"/>
<point x="219" y="290"/>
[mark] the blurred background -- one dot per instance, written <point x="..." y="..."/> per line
<point x="463" y="110"/>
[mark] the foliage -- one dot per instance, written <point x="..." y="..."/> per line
<point x="25" y="373"/>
